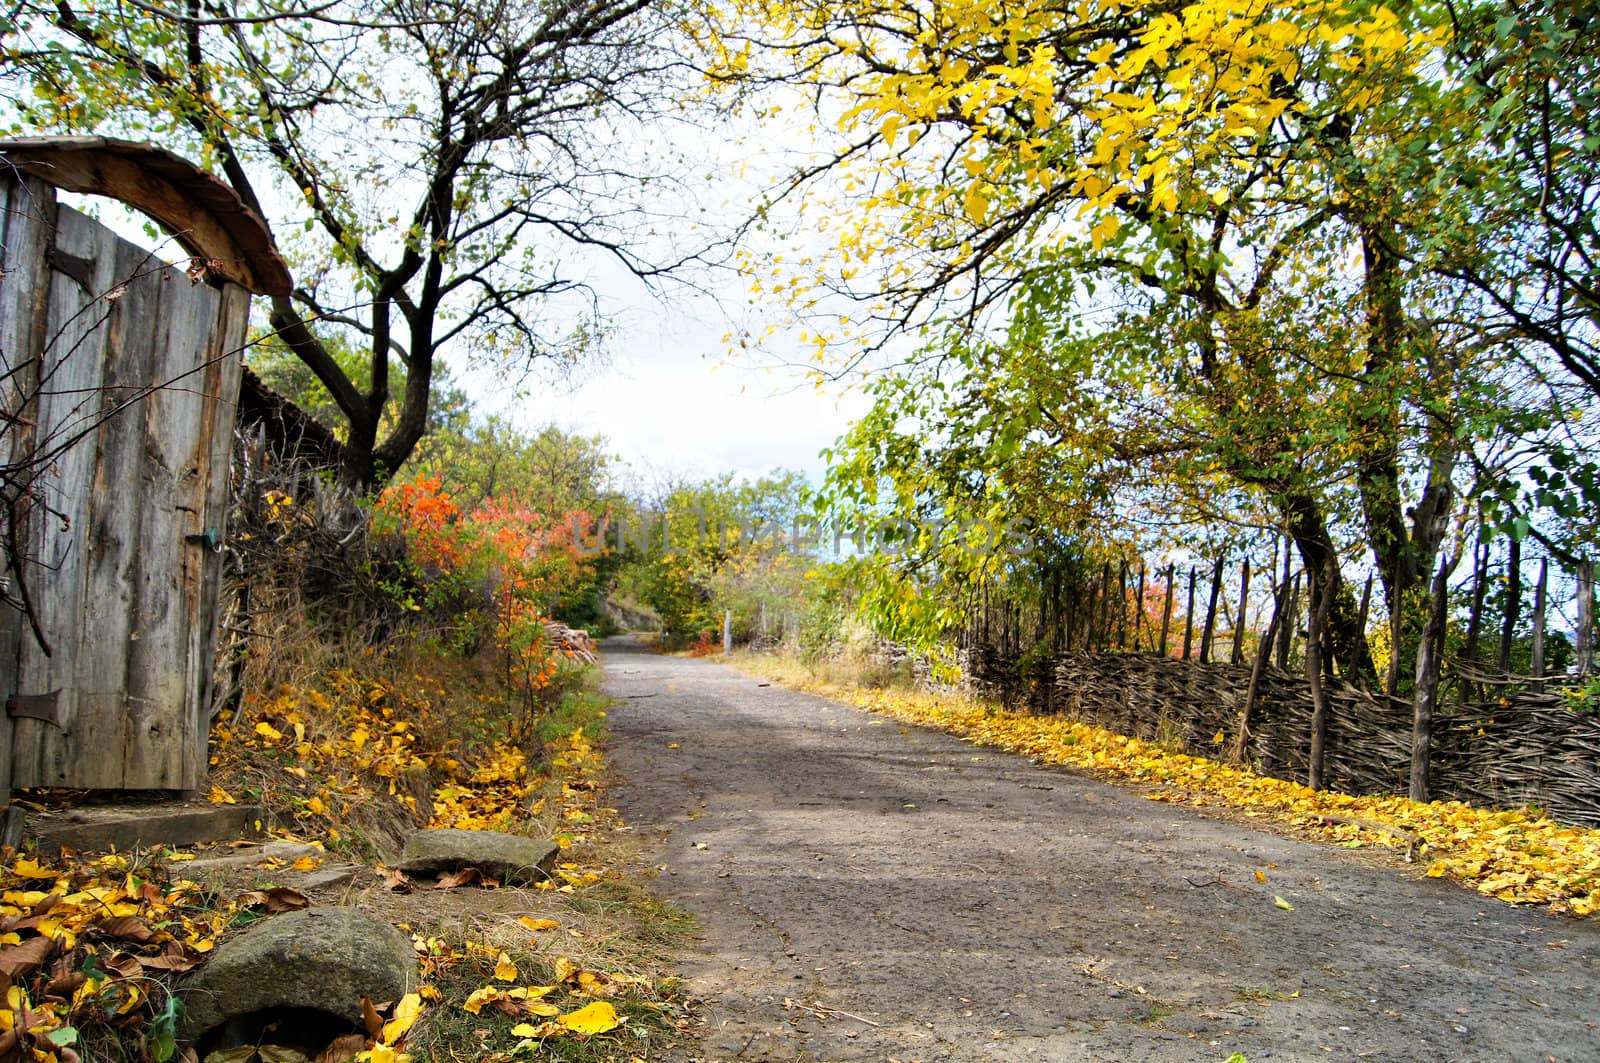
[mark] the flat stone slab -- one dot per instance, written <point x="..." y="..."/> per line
<point x="512" y="859"/>
<point x="246" y="857"/>
<point x="325" y="959"/>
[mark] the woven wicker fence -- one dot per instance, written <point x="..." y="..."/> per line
<point x="1531" y="750"/>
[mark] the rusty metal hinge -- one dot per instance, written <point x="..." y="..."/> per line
<point x="46" y="707"/>
<point x="79" y="269"/>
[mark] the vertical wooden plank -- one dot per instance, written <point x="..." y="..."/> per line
<point x="27" y="226"/>
<point x="110" y="538"/>
<point x="156" y="725"/>
<point x="225" y="367"/>
<point x="70" y="404"/>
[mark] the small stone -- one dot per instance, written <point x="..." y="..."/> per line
<point x="323" y="959"/>
<point x="328" y="878"/>
<point x="509" y="858"/>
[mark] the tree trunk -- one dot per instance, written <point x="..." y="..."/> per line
<point x="1430" y="652"/>
<point x="1315" y="634"/>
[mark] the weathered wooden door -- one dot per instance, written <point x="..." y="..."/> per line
<point x="118" y="376"/>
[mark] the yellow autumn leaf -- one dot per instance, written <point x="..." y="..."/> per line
<point x="540" y="1008"/>
<point x="566" y="970"/>
<point x="405" y="1015"/>
<point x="383" y="1054"/>
<point x="504" y="969"/>
<point x="25" y="868"/>
<point x="267" y="731"/>
<point x="537" y="924"/>
<point x="219" y="796"/>
<point x="306" y="863"/>
<point x="592" y="1018"/>
<point x="1261" y="877"/>
<point x="976" y="202"/>
<point x="479" y="997"/>
<point x="1103" y="230"/>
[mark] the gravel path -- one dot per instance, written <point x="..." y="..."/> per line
<point x="872" y="892"/>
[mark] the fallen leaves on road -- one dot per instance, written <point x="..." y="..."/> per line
<point x="1517" y="856"/>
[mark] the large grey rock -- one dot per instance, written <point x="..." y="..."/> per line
<point x="511" y="859"/>
<point x="325" y="959"/>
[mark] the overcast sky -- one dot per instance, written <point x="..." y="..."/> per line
<point x="672" y="402"/>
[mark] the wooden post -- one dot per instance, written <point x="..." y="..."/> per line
<point x="1286" y="626"/>
<point x="1210" y="629"/>
<point x="1105" y="606"/>
<point x="1138" y="613"/>
<point x="1539" y="605"/>
<point x="1071" y="610"/>
<point x="1122" y="605"/>
<point x="1480" y="586"/>
<point x="1241" y="740"/>
<point x="1166" y="610"/>
<point x="1513" y="606"/>
<point x="1585" y="618"/>
<point x="1188" y="619"/>
<point x="727" y="632"/>
<point x="1239" y="617"/>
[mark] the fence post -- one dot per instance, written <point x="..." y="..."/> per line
<point x="1286" y="627"/>
<point x="1585" y="618"/>
<point x="1480" y="586"/>
<point x="1239" y="617"/>
<point x="1188" y="619"/>
<point x="727" y="632"/>
<point x="1539" y="604"/>
<point x="1122" y="605"/>
<point x="1513" y="606"/>
<point x="1138" y="612"/>
<point x="1166" y="609"/>
<point x="1210" y="628"/>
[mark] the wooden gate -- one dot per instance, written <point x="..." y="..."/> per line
<point x="118" y="374"/>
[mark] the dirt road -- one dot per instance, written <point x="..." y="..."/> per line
<point x="870" y="892"/>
